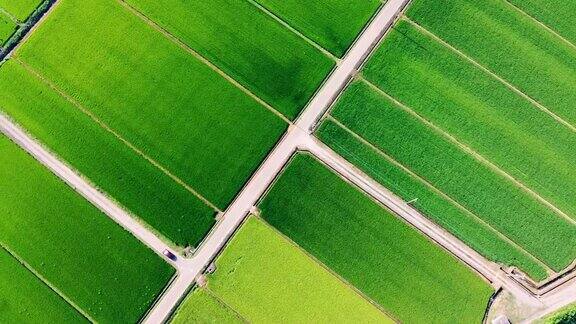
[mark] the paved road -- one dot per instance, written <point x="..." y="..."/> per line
<point x="84" y="188"/>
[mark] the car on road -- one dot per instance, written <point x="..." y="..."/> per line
<point x="170" y="255"/>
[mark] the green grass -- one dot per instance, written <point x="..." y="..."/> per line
<point x="20" y="9"/>
<point x="479" y="111"/>
<point x="97" y="154"/>
<point x="372" y="249"/>
<point x="567" y="315"/>
<point x="475" y="186"/>
<point x="556" y="14"/>
<point x="202" y="307"/>
<point x="26" y="299"/>
<point x="83" y="253"/>
<point x="168" y="104"/>
<point x="265" y="279"/>
<point x="247" y="44"/>
<point x="333" y="24"/>
<point x="510" y="44"/>
<point x="432" y="204"/>
<point x="7" y="28"/>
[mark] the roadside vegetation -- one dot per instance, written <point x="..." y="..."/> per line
<point x="387" y="260"/>
<point x="321" y="21"/>
<point x="250" y="46"/>
<point x="72" y="245"/>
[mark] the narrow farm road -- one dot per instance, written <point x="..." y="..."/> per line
<point x="87" y="190"/>
<point x="292" y="141"/>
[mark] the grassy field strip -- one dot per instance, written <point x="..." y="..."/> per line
<point x="201" y="58"/>
<point x="387" y="259"/>
<point x="542" y="24"/>
<point x="510" y="44"/>
<point x="294" y="30"/>
<point x="46" y="282"/>
<point x="492" y="74"/>
<point x="451" y="200"/>
<point x="473" y="153"/>
<point x="327" y="269"/>
<point x="25" y="298"/>
<point x="102" y="124"/>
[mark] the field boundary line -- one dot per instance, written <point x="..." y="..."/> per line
<point x="221" y="301"/>
<point x="178" y="42"/>
<point x="444" y="195"/>
<point x="477" y="156"/>
<point x="107" y="128"/>
<point x="286" y="25"/>
<point x="321" y="264"/>
<point x="509" y="85"/>
<point x="47" y="283"/>
<point x="541" y="24"/>
<point x="10" y="16"/>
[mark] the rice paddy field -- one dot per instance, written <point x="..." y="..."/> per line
<point x="24" y="298"/>
<point x="19" y="9"/>
<point x="7" y="28"/>
<point x="71" y="246"/>
<point x="262" y="277"/>
<point x="247" y="44"/>
<point x="391" y="263"/>
<point x="202" y="307"/>
<point x="321" y="20"/>
<point x="437" y="99"/>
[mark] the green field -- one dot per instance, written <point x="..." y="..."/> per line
<point x="485" y="193"/>
<point x="255" y="281"/>
<point x="508" y="43"/>
<point x="202" y="307"/>
<point x="26" y="299"/>
<point x="567" y="315"/>
<point x="7" y="28"/>
<point x="372" y="249"/>
<point x="20" y="9"/>
<point x="72" y="245"/>
<point x="465" y="226"/>
<point x="322" y="21"/>
<point x="154" y="94"/>
<point x="247" y="44"/>
<point x="556" y="14"/>
<point x="97" y="154"/>
<point x="464" y="101"/>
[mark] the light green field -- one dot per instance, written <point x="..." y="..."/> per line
<point x="26" y="299"/>
<point x="253" y="48"/>
<point x="479" y="111"/>
<point x="567" y="315"/>
<point x="7" y="28"/>
<point x="556" y="14"/>
<point x="431" y="203"/>
<point x="389" y="261"/>
<point x="202" y="307"/>
<point x="107" y="272"/>
<point x="266" y="279"/>
<point x="100" y="156"/>
<point x="20" y="9"/>
<point x="510" y="44"/>
<point x="156" y="95"/>
<point x="475" y="186"/>
<point x="333" y="24"/>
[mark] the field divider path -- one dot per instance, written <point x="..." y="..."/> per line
<point x="293" y="30"/>
<point x="292" y="140"/>
<point x="442" y="194"/>
<point x="541" y="24"/>
<point x="177" y="41"/>
<point x="224" y="303"/>
<point x="85" y="189"/>
<point x="492" y="74"/>
<point x="46" y="282"/>
<point x="107" y="128"/>
<point x="480" y="158"/>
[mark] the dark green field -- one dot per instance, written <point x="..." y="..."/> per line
<point x="247" y="44"/>
<point x="390" y="262"/>
<point x="112" y="166"/>
<point x="321" y="20"/>
<point x="156" y="95"/>
<point x="107" y="272"/>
